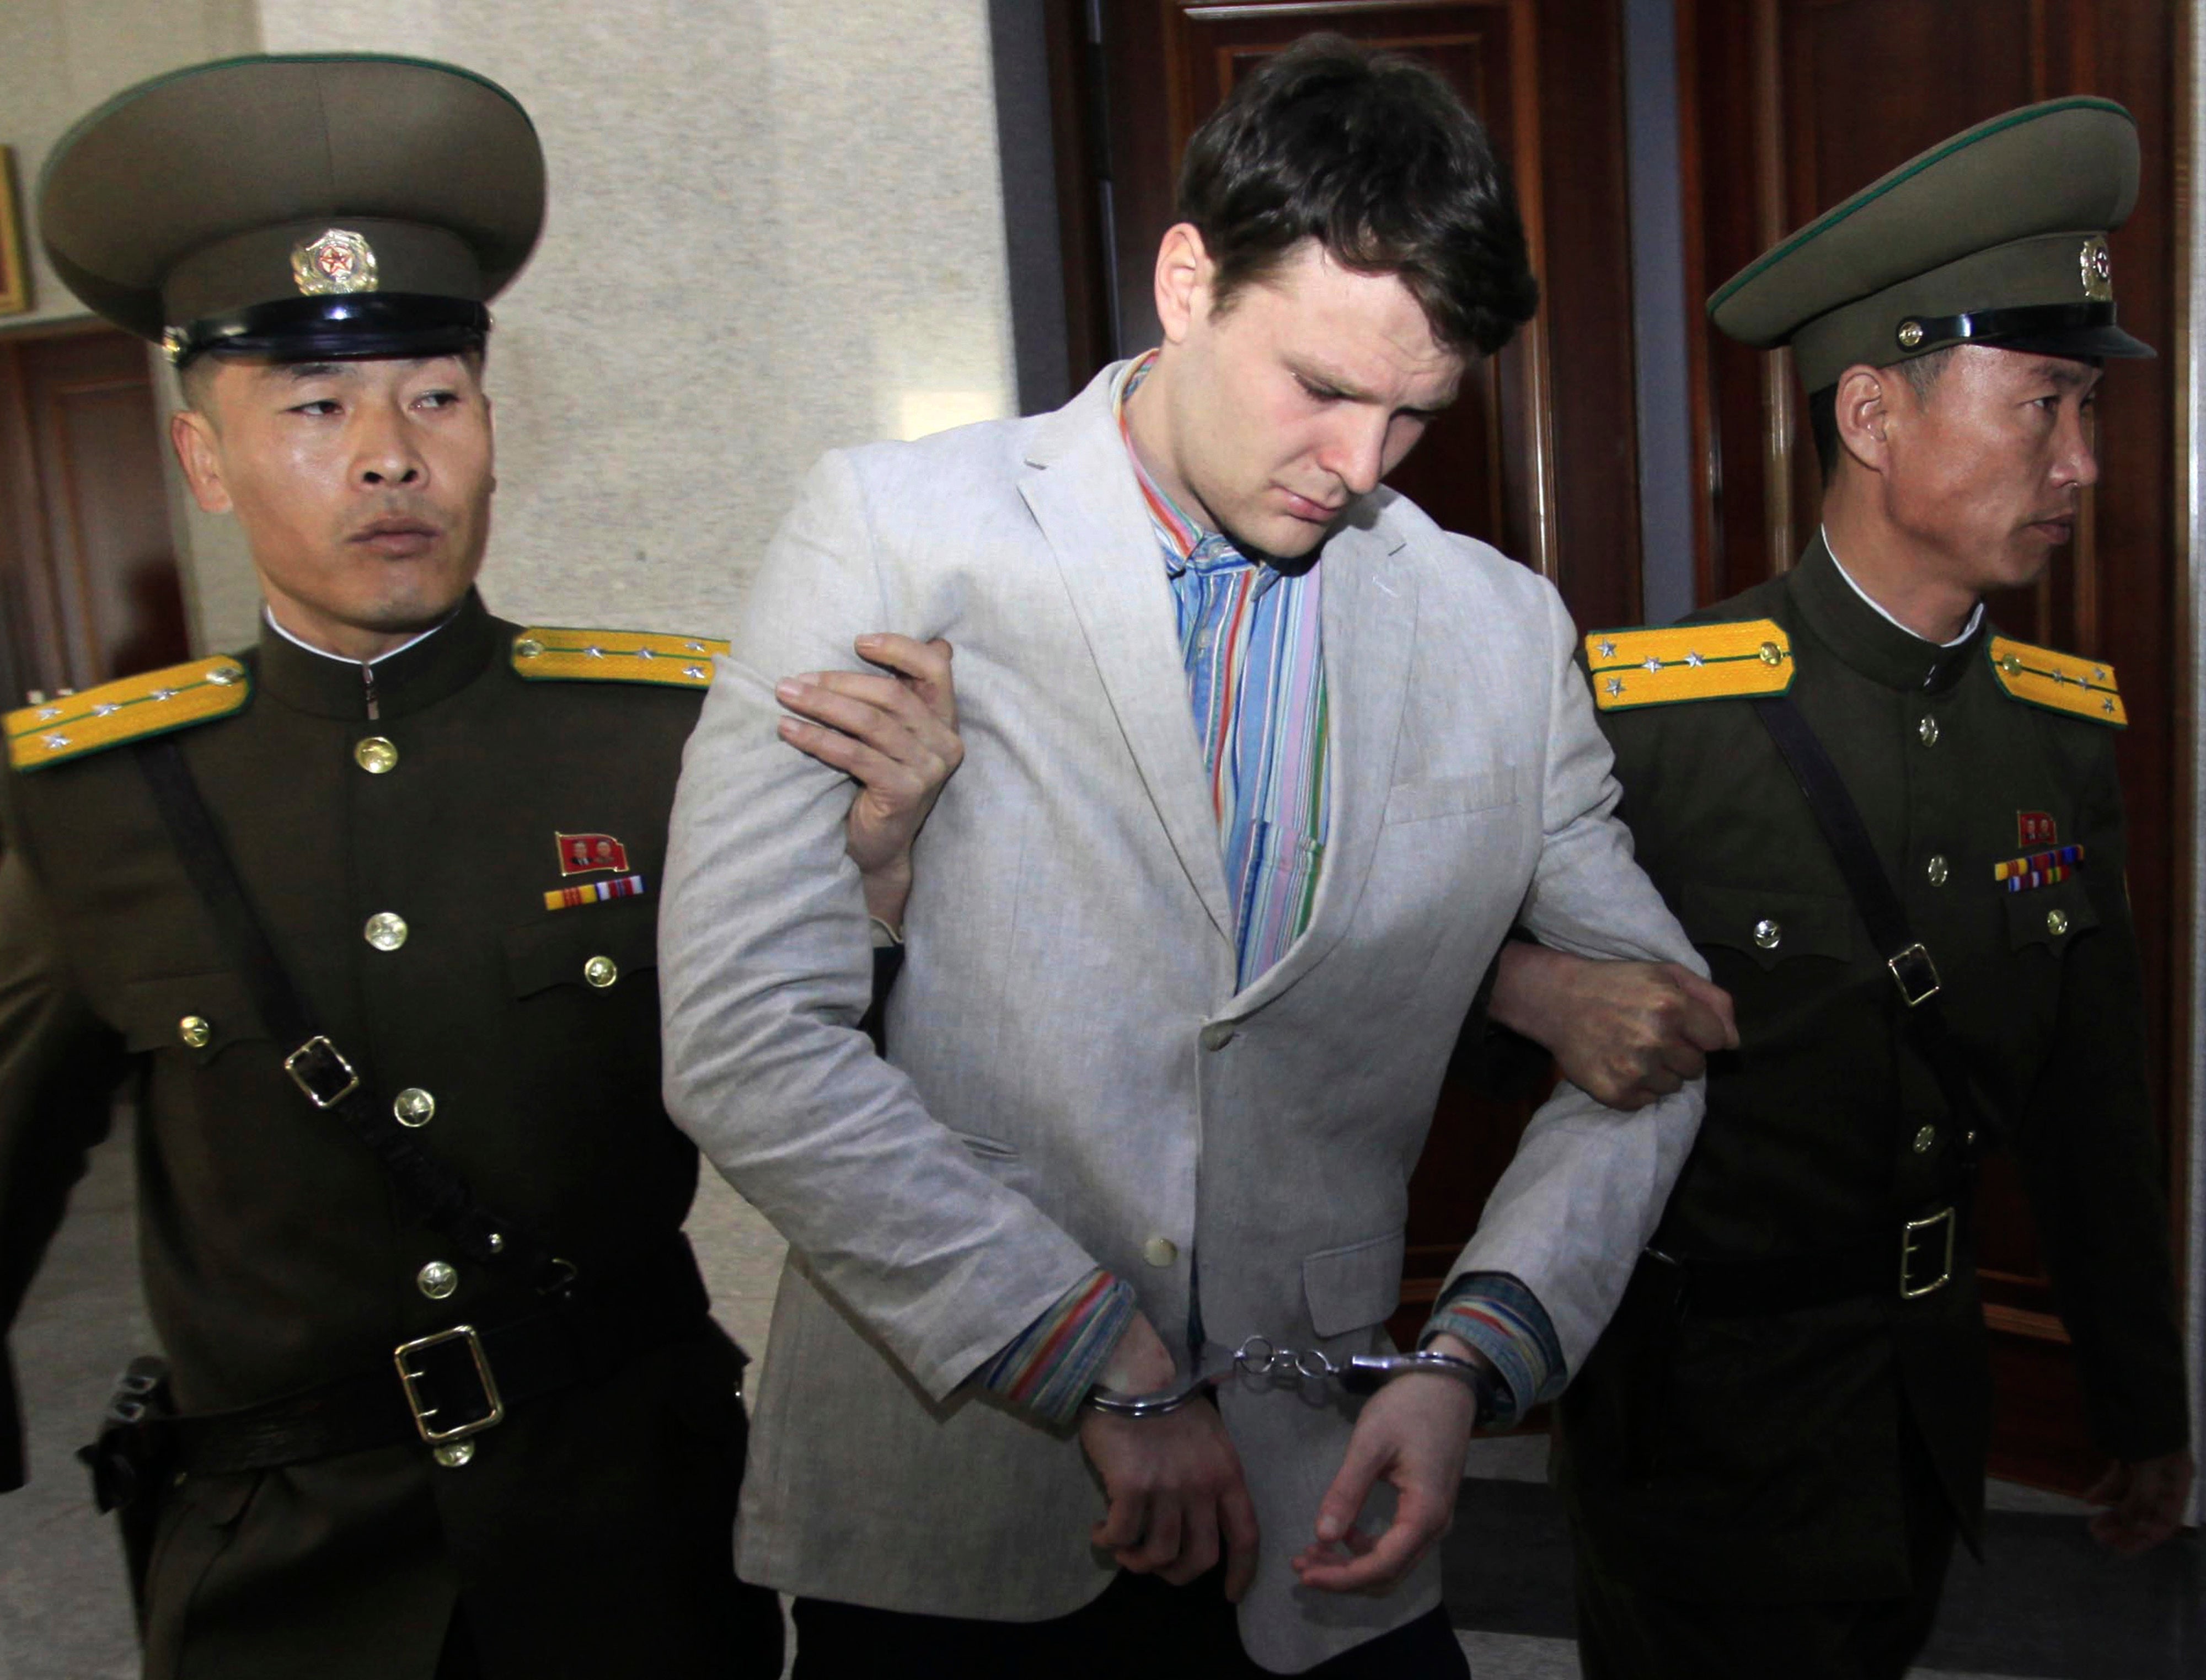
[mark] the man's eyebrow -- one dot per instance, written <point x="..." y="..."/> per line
<point x="298" y="371"/>
<point x="2067" y="374"/>
<point x="1348" y="389"/>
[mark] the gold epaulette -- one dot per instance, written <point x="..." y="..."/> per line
<point x="546" y="654"/>
<point x="1688" y="662"/>
<point x="2057" y="682"/>
<point x="128" y="709"/>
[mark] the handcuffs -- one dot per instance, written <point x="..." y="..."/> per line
<point x="1361" y="1373"/>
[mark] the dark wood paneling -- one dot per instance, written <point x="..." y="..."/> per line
<point x="1792" y="105"/>
<point x="86" y="554"/>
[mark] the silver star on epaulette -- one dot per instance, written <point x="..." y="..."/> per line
<point x="56" y="742"/>
<point x="105" y="708"/>
<point x="2098" y="673"/>
<point x="1652" y="663"/>
<point x="594" y="653"/>
<point x="694" y="647"/>
<point x="1606" y="649"/>
<point x="2058" y="676"/>
<point x="696" y="671"/>
<point x="1694" y="659"/>
<point x="1615" y="685"/>
<point x="162" y="695"/>
<point x="2107" y="706"/>
<point x="47" y="714"/>
<point x="643" y="654"/>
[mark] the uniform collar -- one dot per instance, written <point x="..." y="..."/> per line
<point x="427" y="669"/>
<point x="1867" y="638"/>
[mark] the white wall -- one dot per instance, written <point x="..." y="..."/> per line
<point x="775" y="227"/>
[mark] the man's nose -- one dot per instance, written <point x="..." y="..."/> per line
<point x="2078" y="460"/>
<point x="1356" y="453"/>
<point x="385" y="454"/>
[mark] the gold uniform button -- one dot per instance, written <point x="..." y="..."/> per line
<point x="601" y="971"/>
<point x="2011" y="664"/>
<point x="1160" y="1251"/>
<point x="529" y="648"/>
<point x="1928" y="729"/>
<point x="377" y="756"/>
<point x="224" y="676"/>
<point x="1924" y="1138"/>
<point x="385" y="931"/>
<point x="2056" y="922"/>
<point x="1772" y="654"/>
<point x="455" y="1455"/>
<point x="1937" y="869"/>
<point x="413" y="1106"/>
<point x="196" y="1030"/>
<point x="437" y="1279"/>
<point x="1766" y="934"/>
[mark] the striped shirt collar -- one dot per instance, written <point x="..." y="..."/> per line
<point x="1185" y="542"/>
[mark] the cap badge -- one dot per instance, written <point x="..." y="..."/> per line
<point x="1910" y="333"/>
<point x="2098" y="271"/>
<point x="174" y="344"/>
<point x="338" y="261"/>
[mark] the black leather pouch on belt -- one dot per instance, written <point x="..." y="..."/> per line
<point x="131" y="1459"/>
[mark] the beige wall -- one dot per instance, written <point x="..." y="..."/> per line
<point x="775" y="227"/>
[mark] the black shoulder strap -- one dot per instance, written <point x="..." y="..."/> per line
<point x="1905" y="957"/>
<point x="430" y="1190"/>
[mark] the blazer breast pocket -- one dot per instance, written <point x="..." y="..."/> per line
<point x="1349" y="1288"/>
<point x="1451" y="796"/>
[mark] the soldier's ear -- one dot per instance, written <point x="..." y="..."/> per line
<point x="1862" y="412"/>
<point x="198" y="454"/>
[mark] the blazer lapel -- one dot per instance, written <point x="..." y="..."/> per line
<point x="1368" y="610"/>
<point x="1083" y="495"/>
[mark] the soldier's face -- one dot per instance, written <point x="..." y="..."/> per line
<point x="1987" y="470"/>
<point x="1295" y="399"/>
<point x="364" y="488"/>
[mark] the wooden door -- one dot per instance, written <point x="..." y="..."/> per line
<point x="1789" y="105"/>
<point x="87" y="565"/>
<point x="1539" y="456"/>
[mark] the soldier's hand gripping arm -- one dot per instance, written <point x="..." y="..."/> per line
<point x="59" y="1066"/>
<point x="896" y="736"/>
<point x="1624" y="1032"/>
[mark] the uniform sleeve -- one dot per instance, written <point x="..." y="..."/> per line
<point x="764" y="962"/>
<point x="2091" y="1163"/>
<point x="59" y="1065"/>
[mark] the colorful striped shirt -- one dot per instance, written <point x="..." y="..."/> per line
<point x="1051" y="1365"/>
<point x="1249" y="637"/>
<point x="1504" y="1321"/>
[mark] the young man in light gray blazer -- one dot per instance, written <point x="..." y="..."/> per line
<point x="1177" y="999"/>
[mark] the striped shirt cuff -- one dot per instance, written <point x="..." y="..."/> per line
<point x="1052" y="1364"/>
<point x="1504" y="1321"/>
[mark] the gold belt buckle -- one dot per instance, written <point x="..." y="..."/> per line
<point x="409" y="1380"/>
<point x="1910" y="1245"/>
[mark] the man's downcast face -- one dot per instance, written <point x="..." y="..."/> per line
<point x="364" y="487"/>
<point x="1987" y="470"/>
<point x="1300" y="396"/>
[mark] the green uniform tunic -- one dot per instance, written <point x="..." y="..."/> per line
<point x="590" y="1533"/>
<point x="1760" y="1458"/>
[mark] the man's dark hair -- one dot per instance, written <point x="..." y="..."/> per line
<point x="1921" y="372"/>
<point x="1372" y="155"/>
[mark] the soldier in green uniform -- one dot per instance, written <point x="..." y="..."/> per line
<point x="1767" y="1455"/>
<point x="445" y="832"/>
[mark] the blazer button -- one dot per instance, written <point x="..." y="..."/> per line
<point x="1218" y="1035"/>
<point x="1160" y="1251"/>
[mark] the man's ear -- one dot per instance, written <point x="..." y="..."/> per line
<point x="1183" y="270"/>
<point x="1865" y="413"/>
<point x="191" y="434"/>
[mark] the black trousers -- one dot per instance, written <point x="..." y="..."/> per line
<point x="1139" y="1626"/>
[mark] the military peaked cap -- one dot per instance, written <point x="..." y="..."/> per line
<point x="297" y="206"/>
<point x="1997" y="236"/>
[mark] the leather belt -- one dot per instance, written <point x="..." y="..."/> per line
<point x="1921" y="1259"/>
<point x="458" y="1381"/>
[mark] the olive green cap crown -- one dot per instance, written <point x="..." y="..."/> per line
<point x="1994" y="237"/>
<point x="331" y="203"/>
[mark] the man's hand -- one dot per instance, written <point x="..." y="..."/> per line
<point x="2143" y="1502"/>
<point x="898" y="735"/>
<point x="1413" y="1433"/>
<point x="1174" y="1482"/>
<point x="1625" y="1032"/>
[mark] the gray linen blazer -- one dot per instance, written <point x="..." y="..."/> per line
<point x="1072" y="1079"/>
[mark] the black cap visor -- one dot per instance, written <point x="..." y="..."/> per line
<point x="2080" y="332"/>
<point x="351" y="328"/>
